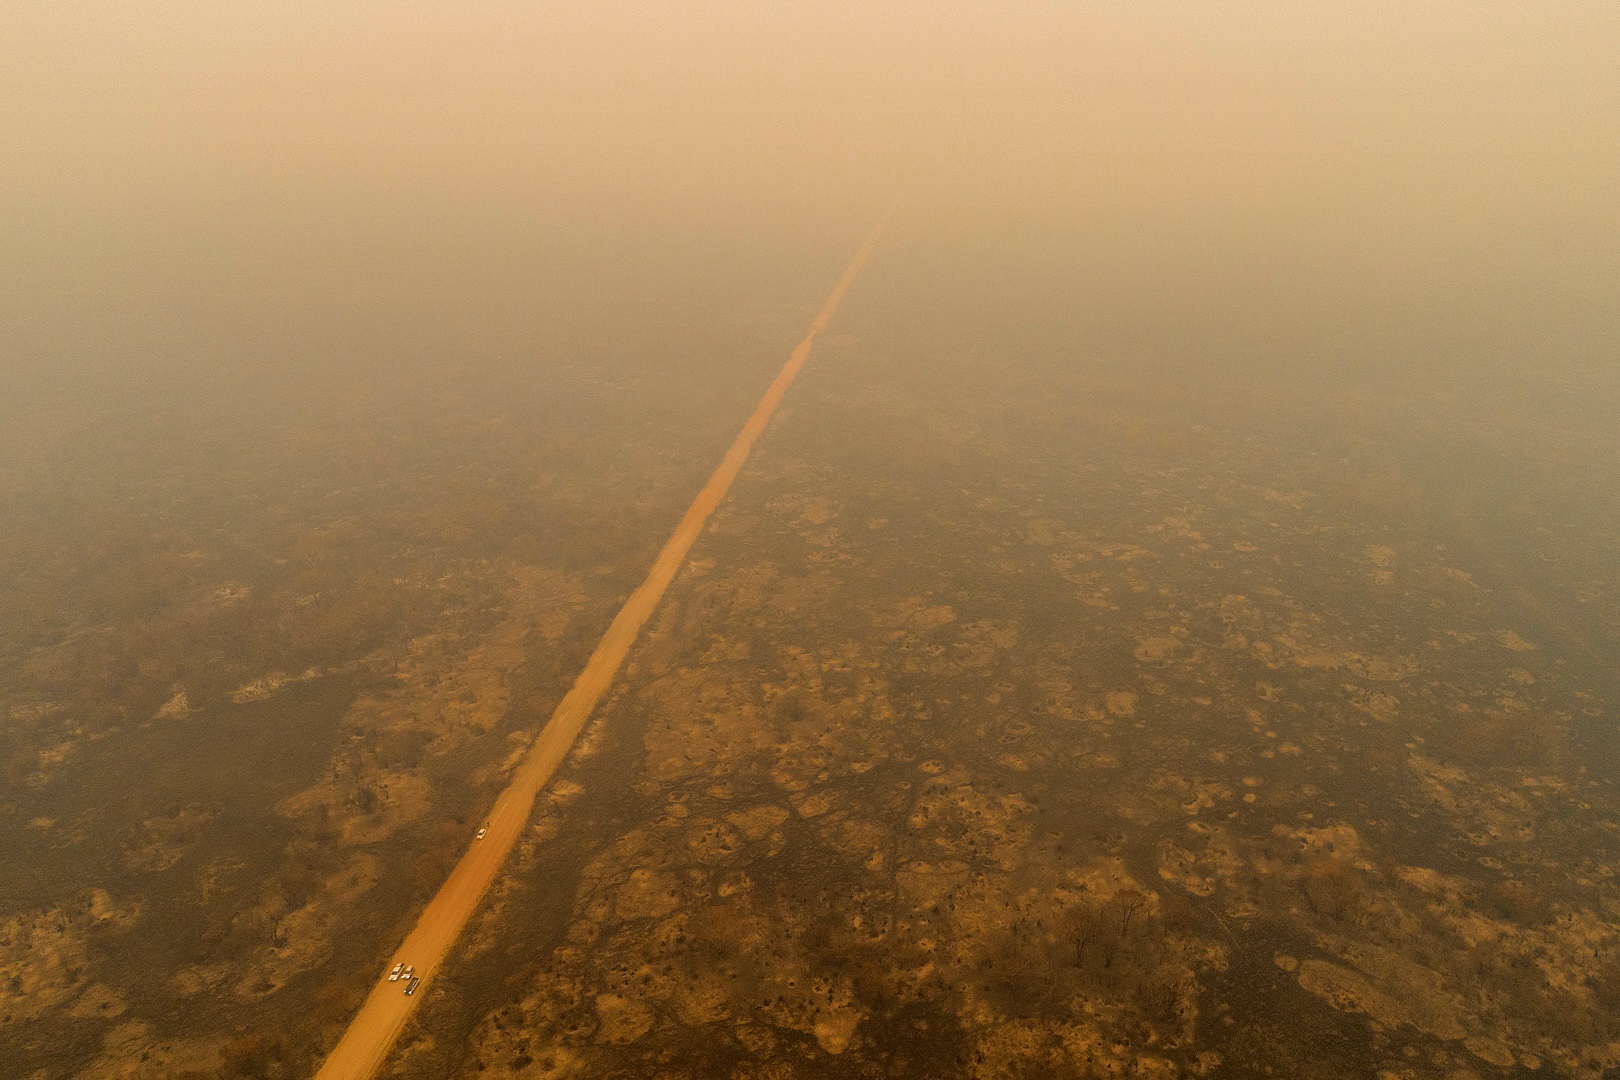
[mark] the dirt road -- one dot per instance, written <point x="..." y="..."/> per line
<point x="372" y="1032"/>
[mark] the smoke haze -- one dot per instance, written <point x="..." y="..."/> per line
<point x="1481" y="129"/>
<point x="1168" y="626"/>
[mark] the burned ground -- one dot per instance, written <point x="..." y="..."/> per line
<point x="1070" y="731"/>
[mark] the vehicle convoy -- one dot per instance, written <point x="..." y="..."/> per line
<point x="393" y="976"/>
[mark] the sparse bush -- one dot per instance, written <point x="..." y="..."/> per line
<point x="1516" y="903"/>
<point x="254" y="1055"/>
<point x="1605" y="987"/>
<point x="1333" y="888"/>
<point x="1510" y="738"/>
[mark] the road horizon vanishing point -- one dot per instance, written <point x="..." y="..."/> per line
<point x="374" y="1029"/>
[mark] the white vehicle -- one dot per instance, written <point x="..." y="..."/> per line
<point x="393" y="976"/>
<point x="411" y="987"/>
<point x="407" y="973"/>
<point x="481" y="833"/>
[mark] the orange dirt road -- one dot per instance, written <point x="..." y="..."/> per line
<point x="366" y="1042"/>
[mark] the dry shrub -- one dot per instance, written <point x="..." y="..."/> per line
<point x="1333" y="888"/>
<point x="257" y="1055"/>
<point x="1605" y="986"/>
<point x="1505" y="739"/>
<point x="1516" y="902"/>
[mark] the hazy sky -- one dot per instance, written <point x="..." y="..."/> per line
<point x="1417" y="147"/>
<point x="1458" y="109"/>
